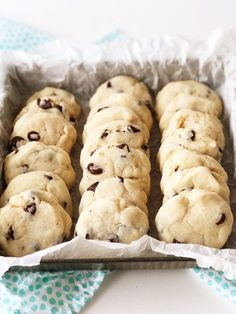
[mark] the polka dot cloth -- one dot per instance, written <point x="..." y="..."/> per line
<point x="48" y="292"/>
<point x="215" y="279"/>
<point x="16" y="36"/>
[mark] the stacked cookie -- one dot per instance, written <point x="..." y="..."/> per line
<point x="36" y="205"/>
<point x="196" y="195"/>
<point x="115" y="162"/>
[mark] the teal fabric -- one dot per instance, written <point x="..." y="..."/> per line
<point x="69" y="291"/>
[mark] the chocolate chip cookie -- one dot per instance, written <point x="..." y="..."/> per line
<point x="196" y="216"/>
<point x="36" y="156"/>
<point x="116" y="160"/>
<point x="112" y="220"/>
<point x="31" y="221"/>
<point x="50" y="129"/>
<point x="40" y="180"/>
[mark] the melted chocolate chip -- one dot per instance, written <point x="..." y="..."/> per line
<point x="91" y="154"/>
<point x="59" y="107"/>
<point x="109" y="85"/>
<point x="121" y="179"/>
<point x="76" y="234"/>
<point x="25" y="168"/>
<point x="123" y="156"/>
<point x="144" y="147"/>
<point x="87" y="236"/>
<point x="16" y="151"/>
<point x="48" y="177"/>
<point x="15" y="142"/>
<point x="122" y="146"/>
<point x="221" y="220"/>
<point x="102" y="108"/>
<point x="33" y="136"/>
<point x="221" y="151"/>
<point x="94" y="169"/>
<point x="132" y="129"/>
<point x="193" y="135"/>
<point x="114" y="238"/>
<point x="176" y="241"/>
<point x="104" y="134"/>
<point x="72" y="119"/>
<point x="64" y="204"/>
<point x="31" y="208"/>
<point x="44" y="103"/>
<point x="93" y="187"/>
<point x="10" y="234"/>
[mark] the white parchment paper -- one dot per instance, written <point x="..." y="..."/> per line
<point x="80" y="69"/>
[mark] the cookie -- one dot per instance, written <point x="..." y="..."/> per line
<point x="31" y="221"/>
<point x="68" y="109"/>
<point x="203" y="145"/>
<point x="50" y="129"/>
<point x="197" y="216"/>
<point x="113" y="114"/>
<point x="124" y="101"/>
<point x="119" y="132"/>
<point x="195" y="178"/>
<point x="122" y="84"/>
<point x="36" y="156"/>
<point x="112" y="220"/>
<point x="117" y="188"/>
<point x="183" y="101"/>
<point x="182" y="159"/>
<point x="173" y="89"/>
<point x="196" y="124"/>
<point x="117" y="160"/>
<point x="40" y="180"/>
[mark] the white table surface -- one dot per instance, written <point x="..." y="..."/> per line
<point x="141" y="291"/>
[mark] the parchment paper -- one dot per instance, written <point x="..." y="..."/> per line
<point x="80" y="69"/>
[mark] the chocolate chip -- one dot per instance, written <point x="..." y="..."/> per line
<point x="114" y="238"/>
<point x="76" y="234"/>
<point x="121" y="179"/>
<point x="193" y="135"/>
<point x="25" y="168"/>
<point x="221" y="220"/>
<point x="122" y="146"/>
<point x="10" y="234"/>
<point x="102" y="108"/>
<point x="31" y="208"/>
<point x="15" y="142"/>
<point x="144" y="147"/>
<point x="16" y="151"/>
<point x="177" y="168"/>
<point x="64" y="204"/>
<point x="48" y="177"/>
<point x="176" y="241"/>
<point x="91" y="154"/>
<point x="87" y="236"/>
<point x="132" y="129"/>
<point x="33" y="136"/>
<point x="44" y="103"/>
<point x="123" y="156"/>
<point x="94" y="169"/>
<point x="104" y="134"/>
<point x="59" y="107"/>
<point x="93" y="187"/>
<point x="221" y="151"/>
<point x="72" y="119"/>
<point x="109" y="85"/>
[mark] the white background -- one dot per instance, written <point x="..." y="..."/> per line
<point x="152" y="291"/>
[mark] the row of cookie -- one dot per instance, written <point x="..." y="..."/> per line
<point x="196" y="195"/>
<point x="115" y="162"/>
<point x="36" y="206"/>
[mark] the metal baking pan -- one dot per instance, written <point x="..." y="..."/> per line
<point x="23" y="77"/>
